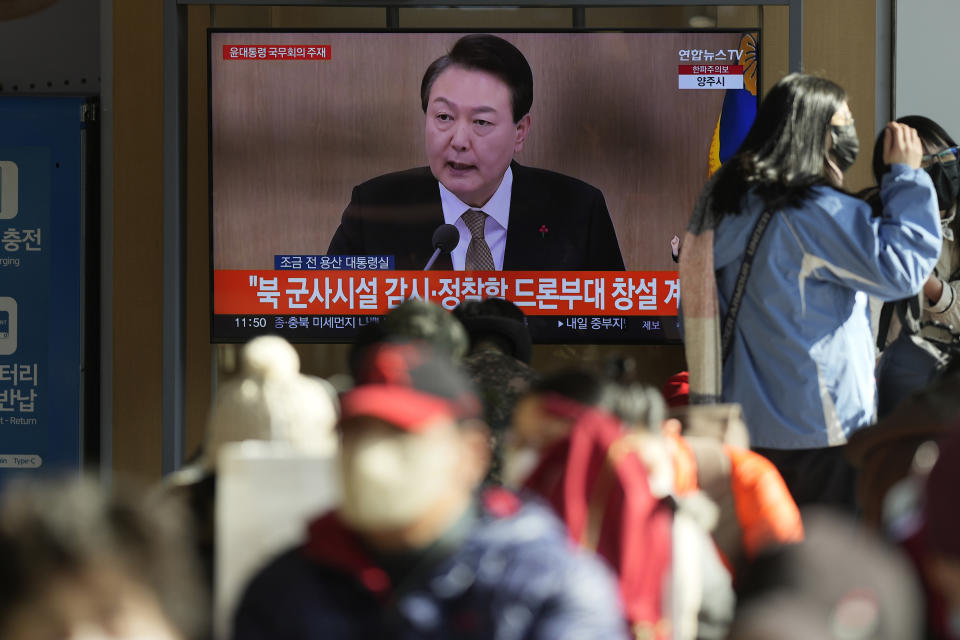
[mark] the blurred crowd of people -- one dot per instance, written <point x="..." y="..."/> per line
<point x="451" y="490"/>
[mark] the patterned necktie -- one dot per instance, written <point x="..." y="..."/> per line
<point x="479" y="257"/>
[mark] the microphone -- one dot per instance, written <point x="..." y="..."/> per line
<point x="445" y="239"/>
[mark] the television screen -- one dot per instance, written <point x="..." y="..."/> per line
<point x="350" y="171"/>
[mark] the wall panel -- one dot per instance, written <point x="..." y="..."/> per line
<point x="137" y="215"/>
<point x="839" y="42"/>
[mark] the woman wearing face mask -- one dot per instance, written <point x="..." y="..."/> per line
<point x="776" y="268"/>
<point x="897" y="376"/>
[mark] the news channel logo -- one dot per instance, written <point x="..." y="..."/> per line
<point x="9" y="189"/>
<point x="8" y="326"/>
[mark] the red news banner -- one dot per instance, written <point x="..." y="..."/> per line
<point x="538" y="293"/>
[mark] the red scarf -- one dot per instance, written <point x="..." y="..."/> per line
<point x="597" y="484"/>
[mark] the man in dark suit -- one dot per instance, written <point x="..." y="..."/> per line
<point x="477" y="102"/>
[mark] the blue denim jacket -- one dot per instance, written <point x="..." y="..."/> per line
<point x="802" y="359"/>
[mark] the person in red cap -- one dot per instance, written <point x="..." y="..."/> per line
<point x="413" y="551"/>
<point x="676" y="390"/>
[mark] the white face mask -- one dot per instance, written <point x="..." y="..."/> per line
<point x="391" y="478"/>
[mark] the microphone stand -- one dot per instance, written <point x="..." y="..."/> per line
<point x="433" y="258"/>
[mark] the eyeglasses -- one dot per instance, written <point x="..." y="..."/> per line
<point x="947" y="156"/>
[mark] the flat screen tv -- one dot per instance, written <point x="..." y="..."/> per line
<point x="330" y="184"/>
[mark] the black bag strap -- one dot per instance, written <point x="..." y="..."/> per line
<point x="883" y="328"/>
<point x="910" y="323"/>
<point x="909" y="313"/>
<point x="730" y="319"/>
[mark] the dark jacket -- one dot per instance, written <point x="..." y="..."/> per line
<point x="514" y="577"/>
<point x="397" y="213"/>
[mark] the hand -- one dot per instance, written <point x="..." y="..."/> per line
<point x="675" y="244"/>
<point x="933" y="289"/>
<point x="901" y="145"/>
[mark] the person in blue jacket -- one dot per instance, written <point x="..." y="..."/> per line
<point x="800" y="357"/>
<point x="413" y="552"/>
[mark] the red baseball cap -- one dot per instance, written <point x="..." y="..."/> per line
<point x="409" y="385"/>
<point x="676" y="390"/>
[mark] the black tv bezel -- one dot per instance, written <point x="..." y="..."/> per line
<point x="214" y="339"/>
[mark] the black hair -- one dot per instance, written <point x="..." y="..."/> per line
<point x="928" y="130"/>
<point x="577" y="385"/>
<point x="412" y="321"/>
<point x="489" y="307"/>
<point x="784" y="154"/>
<point x="932" y="134"/>
<point x="498" y="322"/>
<point x="496" y="56"/>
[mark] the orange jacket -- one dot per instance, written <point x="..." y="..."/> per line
<point x="756" y="508"/>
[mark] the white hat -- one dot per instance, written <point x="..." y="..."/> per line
<point x="271" y="400"/>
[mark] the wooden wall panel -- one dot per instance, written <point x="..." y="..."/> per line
<point x="774" y="43"/>
<point x="839" y="42"/>
<point x="638" y="17"/>
<point x="137" y="360"/>
<point x="738" y="17"/>
<point x="240" y="17"/>
<point x="485" y="18"/>
<point x="328" y="17"/>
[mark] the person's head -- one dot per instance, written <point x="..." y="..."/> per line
<point x="842" y="581"/>
<point x="271" y="400"/>
<point x="495" y="323"/>
<point x="413" y="448"/>
<point x="938" y="161"/>
<point x="803" y="135"/>
<point x="476" y="100"/>
<point x="554" y="403"/>
<point x="81" y="563"/>
<point x="413" y="321"/>
<point x="546" y="414"/>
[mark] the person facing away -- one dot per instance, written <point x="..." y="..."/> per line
<point x="476" y="101"/>
<point x="268" y="400"/>
<point x="800" y="357"/>
<point x="410" y="321"/>
<point x="498" y="364"/>
<point x="83" y="563"/>
<point x="413" y="551"/>
<point x="842" y="581"/>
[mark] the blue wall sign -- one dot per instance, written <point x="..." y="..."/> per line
<point x="42" y="163"/>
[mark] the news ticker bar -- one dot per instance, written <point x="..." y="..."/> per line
<point x="537" y="293"/>
<point x="543" y="329"/>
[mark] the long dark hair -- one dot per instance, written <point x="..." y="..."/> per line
<point x="785" y="152"/>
